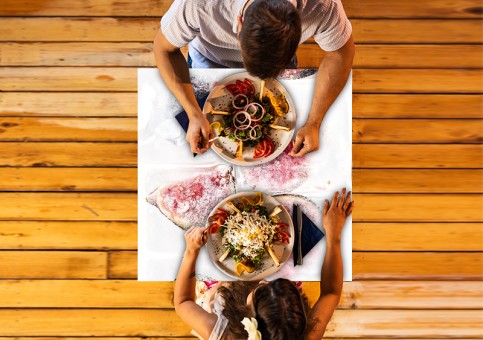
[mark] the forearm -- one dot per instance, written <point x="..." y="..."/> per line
<point x="185" y="282"/>
<point x="174" y="70"/>
<point x="331" y="78"/>
<point x="331" y="276"/>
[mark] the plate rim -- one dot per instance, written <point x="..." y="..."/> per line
<point x="278" y="151"/>
<point x="263" y="274"/>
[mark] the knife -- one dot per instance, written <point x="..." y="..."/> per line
<point x="300" y="259"/>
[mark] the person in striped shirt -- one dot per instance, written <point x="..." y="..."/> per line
<point x="261" y="36"/>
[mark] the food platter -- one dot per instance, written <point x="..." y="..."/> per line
<point x="216" y="245"/>
<point x="220" y="99"/>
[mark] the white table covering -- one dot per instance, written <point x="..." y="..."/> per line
<point x="164" y="156"/>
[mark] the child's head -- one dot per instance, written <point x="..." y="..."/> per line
<point x="280" y="310"/>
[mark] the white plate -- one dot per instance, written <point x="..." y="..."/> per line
<point x="267" y="267"/>
<point x="219" y="99"/>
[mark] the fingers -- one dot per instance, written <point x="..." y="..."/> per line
<point x="335" y="200"/>
<point x="347" y="201"/>
<point x="341" y="200"/>
<point x="297" y="146"/>
<point x="325" y="208"/>
<point x="206" y="135"/>
<point x="197" y="143"/>
<point x="305" y="150"/>
<point x="349" y="208"/>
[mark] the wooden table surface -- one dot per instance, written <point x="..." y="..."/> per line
<point x="68" y="231"/>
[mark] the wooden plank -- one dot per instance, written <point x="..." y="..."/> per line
<point x="418" y="208"/>
<point x="142" y="322"/>
<point x="413" y="9"/>
<point x="310" y="55"/>
<point x="123" y="265"/>
<point x="417" y="181"/>
<point x="366" y="265"/>
<point x="134" y="294"/>
<point x="68" y="154"/>
<point x="354" y="8"/>
<point x="107" y="104"/>
<point x="416" y="106"/>
<point x="68" y="179"/>
<point x="416" y="156"/>
<point x="68" y="129"/>
<point x="453" y="131"/>
<point x="125" y="79"/>
<point x="407" y="31"/>
<point x="52" y="265"/>
<point x="399" y="56"/>
<point x="68" y="79"/>
<point x="92" y="104"/>
<point x="68" y="206"/>
<point x="68" y="235"/>
<point x="430" y="236"/>
<point x="417" y="81"/>
<point x="419" y="266"/>
<point x="416" y="31"/>
<point x="40" y="154"/>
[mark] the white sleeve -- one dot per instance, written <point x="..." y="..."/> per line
<point x="181" y="23"/>
<point x="335" y="29"/>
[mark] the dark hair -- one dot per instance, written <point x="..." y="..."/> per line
<point x="269" y="37"/>
<point x="281" y="310"/>
<point x="235" y="308"/>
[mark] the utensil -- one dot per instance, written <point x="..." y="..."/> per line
<point x="298" y="211"/>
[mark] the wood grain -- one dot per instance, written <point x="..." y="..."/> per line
<point x="417" y="131"/>
<point x="69" y="129"/>
<point x="417" y="81"/>
<point x="85" y="104"/>
<point x="42" y="154"/>
<point x="382" y="31"/>
<point x="147" y="322"/>
<point x="52" y="265"/>
<point x="68" y="154"/>
<point x="353" y="8"/>
<point x="365" y="265"/>
<point x="416" y="156"/>
<point x="418" y="208"/>
<point x="417" y="236"/>
<point x="419" y="266"/>
<point x="134" y="294"/>
<point x="417" y="181"/>
<point x="106" y="104"/>
<point x="416" y="106"/>
<point x="68" y="179"/>
<point x="68" y="206"/>
<point x="125" y="179"/>
<point x="309" y="54"/>
<point x="401" y="56"/>
<point x="68" y="235"/>
<point x="125" y="79"/>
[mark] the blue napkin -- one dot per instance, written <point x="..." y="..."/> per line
<point x="311" y="235"/>
<point x="183" y="119"/>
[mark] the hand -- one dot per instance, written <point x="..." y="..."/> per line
<point x="196" y="238"/>
<point x="307" y="140"/>
<point x="335" y="214"/>
<point x="199" y="133"/>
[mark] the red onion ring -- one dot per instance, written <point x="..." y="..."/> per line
<point x="253" y="113"/>
<point x="236" y="97"/>
<point x="242" y="123"/>
<point x="254" y="130"/>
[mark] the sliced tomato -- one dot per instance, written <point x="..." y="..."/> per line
<point x="250" y="87"/>
<point x="233" y="89"/>
<point x="260" y="149"/>
<point x="213" y="228"/>
<point x="222" y="212"/>
<point x="282" y="225"/>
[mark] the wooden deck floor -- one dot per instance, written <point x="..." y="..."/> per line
<point x="68" y="233"/>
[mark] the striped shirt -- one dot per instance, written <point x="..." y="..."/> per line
<point x="210" y="26"/>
